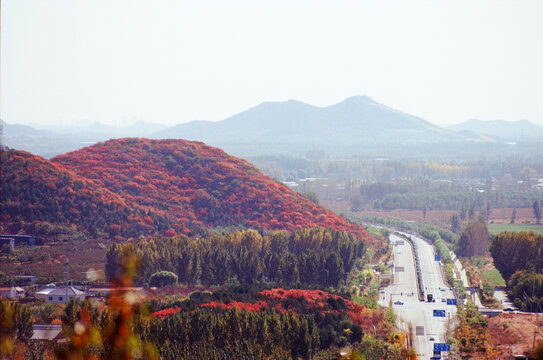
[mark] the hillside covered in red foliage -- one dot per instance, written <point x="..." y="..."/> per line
<point x="41" y="196"/>
<point x="197" y="186"/>
<point x="129" y="187"/>
<point x="298" y="302"/>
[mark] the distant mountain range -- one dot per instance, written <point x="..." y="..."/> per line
<point x="356" y="122"/>
<point x="55" y="140"/>
<point x="516" y="131"/>
<point x="13" y="130"/>
<point x="355" y="126"/>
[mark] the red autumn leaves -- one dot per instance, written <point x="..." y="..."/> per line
<point x="196" y="186"/>
<point x="314" y="300"/>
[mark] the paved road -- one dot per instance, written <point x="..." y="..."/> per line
<point x="502" y="297"/>
<point x="414" y="313"/>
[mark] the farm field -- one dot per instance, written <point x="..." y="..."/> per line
<point x="442" y="218"/>
<point x="498" y="228"/>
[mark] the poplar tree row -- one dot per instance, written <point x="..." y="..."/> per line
<point x="314" y="256"/>
<point x="513" y="251"/>
<point x="519" y="258"/>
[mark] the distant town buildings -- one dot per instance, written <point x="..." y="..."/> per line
<point x="12" y="292"/>
<point x="17" y="240"/>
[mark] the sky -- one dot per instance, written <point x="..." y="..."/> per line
<point x="66" y="62"/>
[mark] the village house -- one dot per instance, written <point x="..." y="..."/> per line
<point x="52" y="333"/>
<point x="12" y="292"/>
<point x="59" y="294"/>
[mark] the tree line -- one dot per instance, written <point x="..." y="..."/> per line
<point x="314" y="256"/>
<point x="519" y="258"/>
<point x="527" y="290"/>
<point x="293" y="168"/>
<point x="206" y="325"/>
<point x="456" y="200"/>
<point x="514" y="251"/>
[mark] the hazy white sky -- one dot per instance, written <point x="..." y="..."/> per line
<point x="173" y="61"/>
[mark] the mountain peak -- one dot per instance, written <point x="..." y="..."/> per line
<point x="359" y="99"/>
<point x="295" y="124"/>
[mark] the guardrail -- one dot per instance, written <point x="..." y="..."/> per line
<point x="400" y="233"/>
<point x="420" y="284"/>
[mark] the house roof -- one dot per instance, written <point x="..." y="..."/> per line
<point x="47" y="332"/>
<point x="59" y="291"/>
<point x="8" y="288"/>
<point x="46" y="290"/>
<point x="110" y="289"/>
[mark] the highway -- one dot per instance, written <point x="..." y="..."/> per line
<point x="402" y="295"/>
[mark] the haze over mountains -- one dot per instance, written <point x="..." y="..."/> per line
<point x="50" y="141"/>
<point x="502" y="130"/>
<point x="354" y="121"/>
<point x="355" y="126"/>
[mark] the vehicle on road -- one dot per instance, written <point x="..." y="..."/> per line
<point x="432" y="339"/>
<point x="508" y="309"/>
<point x="398" y="302"/>
<point x="430" y="297"/>
<point x="443" y="300"/>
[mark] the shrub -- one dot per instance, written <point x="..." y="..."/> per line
<point x="163" y="278"/>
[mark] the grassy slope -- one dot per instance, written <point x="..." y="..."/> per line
<point x="494" y="277"/>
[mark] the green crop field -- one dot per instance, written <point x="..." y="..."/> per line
<point x="494" y="277"/>
<point x="498" y="228"/>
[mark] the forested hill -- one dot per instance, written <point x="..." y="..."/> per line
<point x="195" y="186"/>
<point x="40" y="196"/>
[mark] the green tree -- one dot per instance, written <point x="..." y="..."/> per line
<point x="455" y="224"/>
<point x="70" y="312"/>
<point x="513" y="251"/>
<point x="537" y="211"/>
<point x="163" y="278"/>
<point x="488" y="290"/>
<point x="471" y="211"/>
<point x="23" y="322"/>
<point x="463" y="213"/>
<point x="15" y="326"/>
<point x="311" y="195"/>
<point x="474" y="239"/>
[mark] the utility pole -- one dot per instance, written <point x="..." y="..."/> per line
<point x="66" y="262"/>
<point x="536" y="329"/>
<point x="1" y="125"/>
<point x="535" y="333"/>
